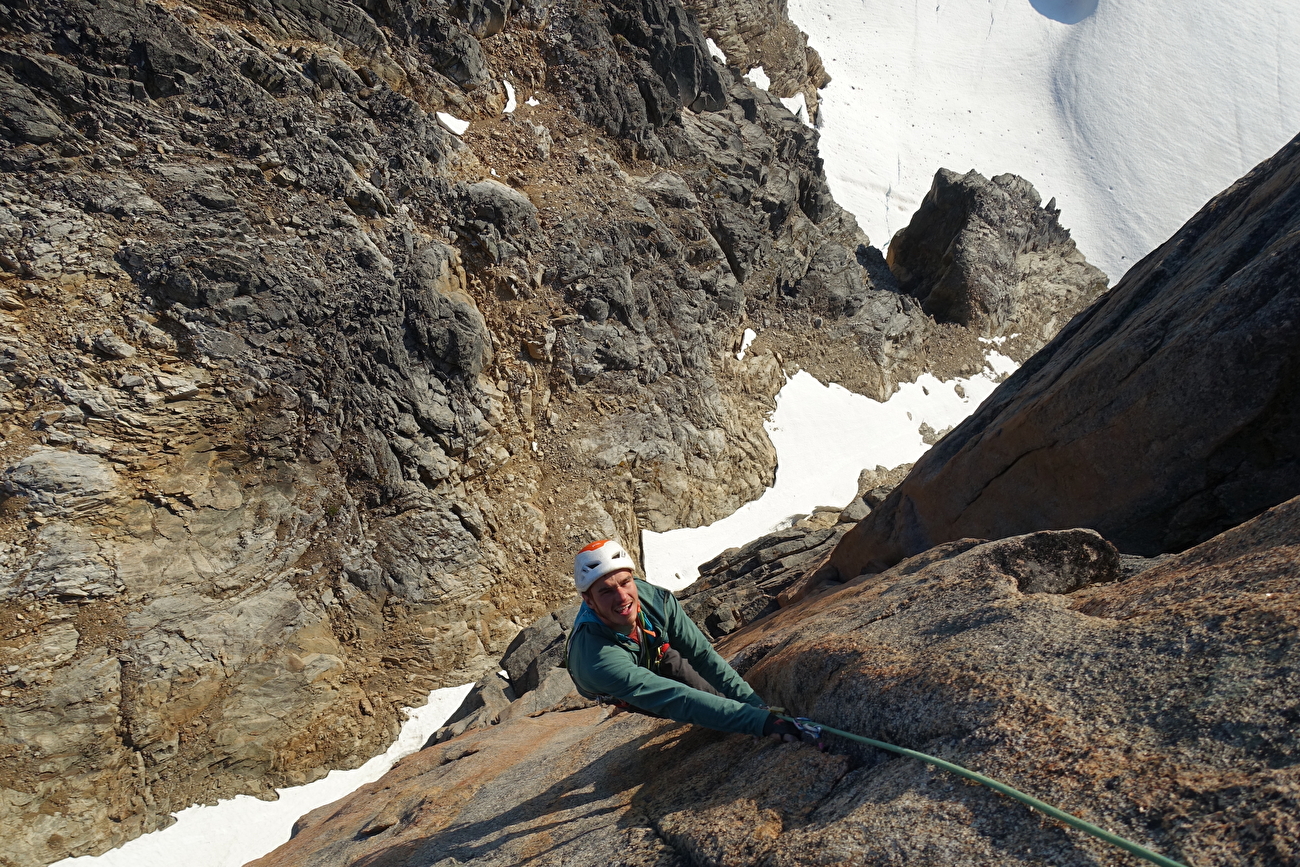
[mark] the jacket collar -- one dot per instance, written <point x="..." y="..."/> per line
<point x="586" y="615"/>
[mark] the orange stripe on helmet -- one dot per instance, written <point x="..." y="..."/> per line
<point x="594" y="545"/>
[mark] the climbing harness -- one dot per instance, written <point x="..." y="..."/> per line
<point x="814" y="730"/>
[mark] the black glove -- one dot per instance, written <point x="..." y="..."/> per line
<point x="787" y="731"/>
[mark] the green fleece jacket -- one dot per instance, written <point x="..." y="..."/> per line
<point x="606" y="663"/>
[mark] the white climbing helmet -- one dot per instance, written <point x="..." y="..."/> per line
<point x="598" y="560"/>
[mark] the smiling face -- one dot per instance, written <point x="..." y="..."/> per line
<point x="615" y="601"/>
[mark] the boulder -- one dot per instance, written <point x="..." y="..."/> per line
<point x="481" y="707"/>
<point x="987" y="254"/>
<point x="442" y="316"/>
<point x="541" y="684"/>
<point x="744" y="584"/>
<point x="537" y="649"/>
<point x="509" y="210"/>
<point x="1162" y="415"/>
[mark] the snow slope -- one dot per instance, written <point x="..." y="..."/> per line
<point x="824" y="436"/>
<point x="244" y="828"/>
<point x="1131" y="113"/>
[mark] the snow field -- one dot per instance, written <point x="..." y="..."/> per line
<point x="234" y="832"/>
<point x="824" y="437"/>
<point x="1132" y="117"/>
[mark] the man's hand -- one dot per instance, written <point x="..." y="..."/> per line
<point x="779" y="728"/>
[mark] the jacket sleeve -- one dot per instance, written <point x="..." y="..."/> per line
<point x="602" y="667"/>
<point x="691" y="643"/>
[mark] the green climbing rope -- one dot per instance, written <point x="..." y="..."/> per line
<point x="1073" y="821"/>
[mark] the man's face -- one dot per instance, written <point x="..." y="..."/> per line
<point x="614" y="600"/>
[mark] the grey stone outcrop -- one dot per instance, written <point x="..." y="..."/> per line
<point x="57" y="483"/>
<point x="987" y="254"/>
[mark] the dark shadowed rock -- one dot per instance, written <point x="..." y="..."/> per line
<point x="23" y="117"/>
<point x="537" y="649"/>
<point x="758" y="33"/>
<point x="1058" y="561"/>
<point x="977" y="251"/>
<point x="1165" y="413"/>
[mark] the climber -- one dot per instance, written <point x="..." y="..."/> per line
<point x="634" y="647"/>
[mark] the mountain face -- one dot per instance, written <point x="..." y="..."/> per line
<point x="1161" y="416"/>
<point x="1154" y="696"/>
<point x="310" y="392"/>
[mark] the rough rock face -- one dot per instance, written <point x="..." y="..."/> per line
<point x="309" y="399"/>
<point x="1162" y="415"/>
<point x="987" y="254"/>
<point x="743" y="584"/>
<point x="761" y="34"/>
<point x="1161" y="707"/>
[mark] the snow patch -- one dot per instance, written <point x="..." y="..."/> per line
<point x="824" y="437"/>
<point x="532" y="100"/>
<point x="798" y="106"/>
<point x="453" y="124"/>
<point x="715" y="51"/>
<point x="511" y="105"/>
<point x="244" y="828"/>
<point x="746" y="340"/>
<point x="759" y="78"/>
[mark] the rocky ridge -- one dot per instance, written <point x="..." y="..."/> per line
<point x="309" y="396"/>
